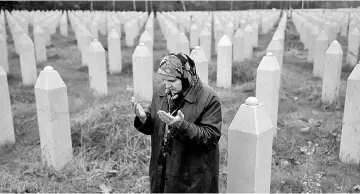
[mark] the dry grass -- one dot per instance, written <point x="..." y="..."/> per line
<point x="108" y="150"/>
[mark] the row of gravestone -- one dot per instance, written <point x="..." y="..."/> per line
<point x="49" y="81"/>
<point x="328" y="63"/>
<point x="256" y="120"/>
<point x="260" y="124"/>
<point x="251" y="121"/>
<point x="325" y="28"/>
<point x="219" y="23"/>
<point x="86" y="30"/>
<point x="33" y="52"/>
<point x="56" y="149"/>
<point x="231" y="47"/>
<point x="328" y="55"/>
<point x="96" y="21"/>
<point x="28" y="63"/>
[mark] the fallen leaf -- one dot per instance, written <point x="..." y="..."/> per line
<point x="105" y="189"/>
<point x="284" y="163"/>
<point x="305" y="129"/>
<point x="317" y="123"/>
<point x="314" y="112"/>
<point x="145" y="178"/>
<point x="356" y="188"/>
<point x="273" y="152"/>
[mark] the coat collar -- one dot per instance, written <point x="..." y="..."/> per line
<point x="191" y="96"/>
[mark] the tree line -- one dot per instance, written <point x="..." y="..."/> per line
<point x="138" y="5"/>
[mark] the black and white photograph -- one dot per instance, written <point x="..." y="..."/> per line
<point x="186" y="96"/>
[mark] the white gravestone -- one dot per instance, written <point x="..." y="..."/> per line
<point x="250" y="140"/>
<point x="40" y="45"/>
<point x="27" y="60"/>
<point x="224" y="63"/>
<point x="202" y="63"/>
<point x="350" y="141"/>
<point x="97" y="68"/>
<point x="53" y="119"/>
<point x="142" y="73"/>
<point x="114" y="52"/>
<point x="332" y="73"/>
<point x="6" y="118"/>
<point x="268" y="86"/>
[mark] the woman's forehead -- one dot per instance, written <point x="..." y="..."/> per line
<point x="169" y="78"/>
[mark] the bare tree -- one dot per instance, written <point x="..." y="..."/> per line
<point x="146" y="5"/>
<point x="183" y="5"/>
<point x="302" y="4"/>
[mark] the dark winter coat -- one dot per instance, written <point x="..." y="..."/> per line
<point x="192" y="165"/>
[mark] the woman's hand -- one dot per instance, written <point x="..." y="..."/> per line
<point x="138" y="110"/>
<point x="170" y="120"/>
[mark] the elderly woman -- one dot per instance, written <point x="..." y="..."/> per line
<point x="184" y="121"/>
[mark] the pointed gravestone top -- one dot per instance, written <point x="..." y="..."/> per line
<point x="2" y="39"/>
<point x="113" y="34"/>
<point x="269" y="54"/>
<point x="248" y="28"/>
<point x="335" y="48"/>
<point x="145" y="36"/>
<point x="38" y="30"/>
<point x="230" y="24"/>
<point x="96" y="46"/>
<point x="183" y="38"/>
<point x="17" y="27"/>
<point x="269" y="63"/>
<point x="355" y="31"/>
<point x="219" y="26"/>
<point x="48" y="68"/>
<point x="25" y="39"/>
<point x="239" y="33"/>
<point x="2" y="71"/>
<point x="49" y="79"/>
<point x="327" y="22"/>
<point x="116" y="21"/>
<point x="252" y="101"/>
<point x="86" y="32"/>
<point x="111" y="25"/>
<point x="198" y="55"/>
<point x="194" y="26"/>
<point x="174" y="30"/>
<point x="141" y="51"/>
<point x="2" y="29"/>
<point x="248" y="117"/>
<point x="207" y="25"/>
<point x="322" y="36"/>
<point x="355" y="74"/>
<point x="224" y="41"/>
<point x="315" y="30"/>
<point x="205" y="32"/>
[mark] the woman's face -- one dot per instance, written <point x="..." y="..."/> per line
<point x="172" y="83"/>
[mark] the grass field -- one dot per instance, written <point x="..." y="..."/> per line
<point x="108" y="150"/>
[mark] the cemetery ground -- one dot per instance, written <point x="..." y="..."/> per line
<point x="109" y="151"/>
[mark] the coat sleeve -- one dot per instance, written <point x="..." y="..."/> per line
<point x="145" y="128"/>
<point x="207" y="131"/>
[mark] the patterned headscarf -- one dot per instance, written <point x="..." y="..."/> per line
<point x="179" y="65"/>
